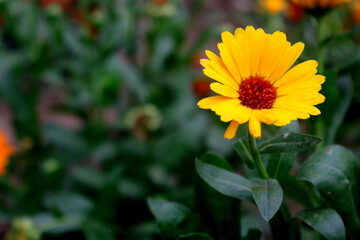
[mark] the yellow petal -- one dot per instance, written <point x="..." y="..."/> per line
<point x="319" y="98"/>
<point x="231" y="130"/>
<point x="297" y="107"/>
<point x="282" y="117"/>
<point x="272" y="53"/>
<point x="215" y="69"/>
<point x="301" y="72"/>
<point x="257" y="40"/>
<point x="240" y="58"/>
<point x="254" y="127"/>
<point x="224" y="90"/>
<point x="225" y="107"/>
<point x="229" y="61"/>
<point x="209" y="102"/>
<point x="239" y="113"/>
<point x="286" y="61"/>
<point x="265" y="116"/>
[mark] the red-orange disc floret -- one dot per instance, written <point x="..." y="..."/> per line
<point x="257" y="93"/>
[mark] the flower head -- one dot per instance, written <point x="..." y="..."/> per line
<point x="255" y="84"/>
<point x="273" y="6"/>
<point x="6" y="150"/>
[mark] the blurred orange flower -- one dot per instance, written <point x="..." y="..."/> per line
<point x="294" y="12"/>
<point x="356" y="11"/>
<point x="273" y="6"/>
<point x="6" y="150"/>
<point x="313" y="4"/>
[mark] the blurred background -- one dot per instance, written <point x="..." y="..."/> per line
<point x="98" y="107"/>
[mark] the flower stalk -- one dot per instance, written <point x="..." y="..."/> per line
<point x="258" y="163"/>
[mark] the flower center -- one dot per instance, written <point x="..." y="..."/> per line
<point x="257" y="93"/>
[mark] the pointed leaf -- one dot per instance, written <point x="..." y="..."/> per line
<point x="268" y="196"/>
<point x="228" y="183"/>
<point x="242" y="148"/>
<point x="335" y="173"/>
<point x="280" y="164"/>
<point x="215" y="209"/>
<point x="325" y="221"/>
<point x="168" y="214"/>
<point x="288" y="142"/>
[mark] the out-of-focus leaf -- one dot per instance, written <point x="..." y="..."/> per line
<point x="65" y="140"/>
<point x="168" y="214"/>
<point x="288" y="142"/>
<point x="47" y="223"/>
<point x="228" y="183"/>
<point x="195" y="236"/>
<point x="69" y="203"/>
<point x="335" y="173"/>
<point x="164" y="45"/>
<point x="95" y="231"/>
<point x="268" y="196"/>
<point x="89" y="177"/>
<point x="132" y="77"/>
<point x="242" y="148"/>
<point x="326" y="221"/>
<point x="344" y="84"/>
<point x="342" y="51"/>
<point x="217" y="212"/>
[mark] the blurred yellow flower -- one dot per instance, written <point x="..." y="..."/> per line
<point x="5" y="152"/>
<point x="312" y="4"/>
<point x="255" y="84"/>
<point x="273" y="6"/>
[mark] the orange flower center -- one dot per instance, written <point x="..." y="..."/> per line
<point x="257" y="93"/>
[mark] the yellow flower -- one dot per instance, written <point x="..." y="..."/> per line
<point x="312" y="4"/>
<point x="5" y="151"/>
<point x="255" y="84"/>
<point x="273" y="6"/>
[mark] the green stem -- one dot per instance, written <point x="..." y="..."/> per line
<point x="257" y="158"/>
<point x="280" y="227"/>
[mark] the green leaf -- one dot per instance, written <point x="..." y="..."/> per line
<point x="296" y="190"/>
<point x="268" y="196"/>
<point x="69" y="203"/>
<point x="195" y="236"/>
<point x="227" y="183"/>
<point x="219" y="213"/>
<point x="288" y="142"/>
<point x="280" y="164"/>
<point x="242" y="148"/>
<point x="95" y="230"/>
<point x="335" y="173"/>
<point x="325" y="221"/>
<point x="168" y="214"/>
